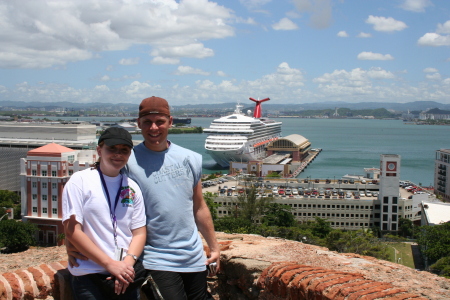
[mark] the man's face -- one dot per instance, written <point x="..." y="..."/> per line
<point x="154" y="129"/>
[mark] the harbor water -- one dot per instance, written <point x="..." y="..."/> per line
<point x="349" y="145"/>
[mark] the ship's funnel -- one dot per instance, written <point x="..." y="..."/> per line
<point x="258" y="112"/>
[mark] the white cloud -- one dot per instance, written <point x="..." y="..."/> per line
<point x="52" y="33"/>
<point x="430" y="70"/>
<point x="101" y="88"/>
<point x="434" y="76"/>
<point x="378" y="73"/>
<point x="443" y="28"/>
<point x="374" y="56"/>
<point x="196" y="50"/>
<point x="434" y="39"/>
<point x="416" y="5"/>
<point x="320" y="10"/>
<point x="105" y="78"/>
<point x="185" y="70"/>
<point x="285" y="24"/>
<point x="221" y="74"/>
<point x="129" y="61"/>
<point x="364" y="35"/>
<point x="342" y="34"/>
<point x="385" y="24"/>
<point x="159" y="60"/>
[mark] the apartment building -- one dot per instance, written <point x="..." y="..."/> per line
<point x="43" y="174"/>
<point x="441" y="179"/>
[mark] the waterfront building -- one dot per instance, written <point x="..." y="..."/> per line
<point x="43" y="174"/>
<point x="284" y="156"/>
<point x="354" y="211"/>
<point x="441" y="179"/>
<point x="16" y="139"/>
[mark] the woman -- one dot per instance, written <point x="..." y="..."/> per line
<point x="104" y="218"/>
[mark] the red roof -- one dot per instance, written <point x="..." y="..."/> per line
<point x="51" y="149"/>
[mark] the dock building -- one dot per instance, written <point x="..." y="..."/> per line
<point x="17" y="138"/>
<point x="286" y="156"/>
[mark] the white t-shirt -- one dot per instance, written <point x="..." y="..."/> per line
<point x="84" y="197"/>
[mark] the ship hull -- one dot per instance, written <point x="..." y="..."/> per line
<point x="223" y="158"/>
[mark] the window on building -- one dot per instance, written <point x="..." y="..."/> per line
<point x="394" y="208"/>
<point x="54" y="211"/>
<point x="385" y="226"/>
<point x="34" y="209"/>
<point x="386" y="200"/>
<point x="54" y="185"/>
<point x="34" y="197"/>
<point x="34" y="184"/>
<point x="71" y="158"/>
<point x="385" y="217"/>
<point x="394" y="200"/>
<point x="53" y="173"/>
<point x="394" y="218"/>
<point x="44" y="210"/>
<point x="54" y="198"/>
<point x="394" y="227"/>
<point x="33" y="172"/>
<point x="44" y="197"/>
<point x="385" y="208"/>
<point x="44" y="185"/>
<point x="70" y="172"/>
<point x="44" y="173"/>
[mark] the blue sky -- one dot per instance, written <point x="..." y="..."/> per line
<point x="199" y="51"/>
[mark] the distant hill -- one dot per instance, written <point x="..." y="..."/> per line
<point x="269" y="106"/>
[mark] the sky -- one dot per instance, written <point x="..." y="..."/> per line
<point x="200" y="51"/>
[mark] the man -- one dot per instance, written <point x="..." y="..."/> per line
<point x="169" y="177"/>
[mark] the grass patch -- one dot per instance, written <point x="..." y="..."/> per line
<point x="403" y="251"/>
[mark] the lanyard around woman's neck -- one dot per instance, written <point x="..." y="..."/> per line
<point x="112" y="212"/>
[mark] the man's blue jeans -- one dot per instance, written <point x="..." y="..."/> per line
<point x="180" y="286"/>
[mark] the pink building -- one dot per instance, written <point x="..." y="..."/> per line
<point x="44" y="172"/>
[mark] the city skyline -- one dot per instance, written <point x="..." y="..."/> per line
<point x="199" y="51"/>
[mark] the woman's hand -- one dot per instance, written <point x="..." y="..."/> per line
<point x="123" y="273"/>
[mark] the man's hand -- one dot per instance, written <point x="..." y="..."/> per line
<point x="73" y="254"/>
<point x="215" y="257"/>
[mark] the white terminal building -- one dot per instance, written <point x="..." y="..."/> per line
<point x="17" y="138"/>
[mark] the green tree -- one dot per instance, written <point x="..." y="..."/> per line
<point x="250" y="206"/>
<point x="209" y="199"/>
<point x="359" y="242"/>
<point x="406" y="227"/>
<point x="442" y="267"/>
<point x="17" y="236"/>
<point x="434" y="241"/>
<point x="276" y="214"/>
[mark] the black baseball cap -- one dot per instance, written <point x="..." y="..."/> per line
<point x="116" y="136"/>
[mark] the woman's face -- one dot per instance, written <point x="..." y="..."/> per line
<point x="114" y="157"/>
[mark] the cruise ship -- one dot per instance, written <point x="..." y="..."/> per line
<point x="241" y="138"/>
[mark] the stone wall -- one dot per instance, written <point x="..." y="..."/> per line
<point x="254" y="267"/>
